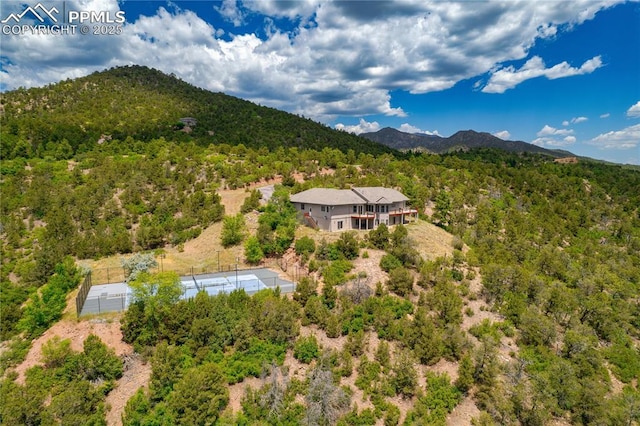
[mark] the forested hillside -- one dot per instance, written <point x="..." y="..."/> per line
<point x="142" y="104"/>
<point x="557" y="247"/>
<point x="533" y="318"/>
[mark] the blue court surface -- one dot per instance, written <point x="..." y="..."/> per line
<point x="225" y="284"/>
<point x="117" y="297"/>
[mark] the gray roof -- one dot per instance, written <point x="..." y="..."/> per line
<point x="327" y="196"/>
<point x="336" y="197"/>
<point x="380" y="195"/>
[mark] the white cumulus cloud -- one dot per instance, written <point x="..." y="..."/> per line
<point x="503" y="134"/>
<point x="549" y="136"/>
<point x="507" y="78"/>
<point x="279" y="8"/>
<point x="634" y="110"/>
<point x="231" y="12"/>
<point x="363" y="126"/>
<point x="626" y="138"/>
<point x="554" y="142"/>
<point x="575" y="120"/>
<point x="605" y="115"/>
<point x="408" y="128"/>
<point x="548" y="131"/>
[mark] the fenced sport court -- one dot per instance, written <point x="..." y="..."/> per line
<point x="116" y="297"/>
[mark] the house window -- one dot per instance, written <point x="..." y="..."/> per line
<point x="301" y="206"/>
<point x="369" y="208"/>
<point x="377" y="208"/>
<point x="339" y="224"/>
<point x="355" y="209"/>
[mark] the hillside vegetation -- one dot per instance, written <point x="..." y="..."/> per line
<point x="142" y="104"/>
<point x="535" y="312"/>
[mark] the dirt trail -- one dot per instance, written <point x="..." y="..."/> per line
<point x="136" y="375"/>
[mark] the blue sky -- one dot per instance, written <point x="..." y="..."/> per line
<point x="559" y="74"/>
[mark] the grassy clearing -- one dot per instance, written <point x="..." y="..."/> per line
<point x="430" y="241"/>
<point x="201" y="254"/>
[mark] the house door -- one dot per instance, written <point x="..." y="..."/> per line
<point x="360" y="210"/>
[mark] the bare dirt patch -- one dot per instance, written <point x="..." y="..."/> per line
<point x="371" y="266"/>
<point x="480" y="313"/>
<point x="296" y="369"/>
<point x="358" y="398"/>
<point x="445" y="367"/>
<point x="404" y="405"/>
<point x="136" y="376"/>
<point x="616" y="384"/>
<point x="236" y="392"/>
<point x="324" y="341"/>
<point x="480" y="308"/>
<point x="463" y="412"/>
<point x="76" y="331"/>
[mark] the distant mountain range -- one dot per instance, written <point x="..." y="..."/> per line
<point x="461" y="141"/>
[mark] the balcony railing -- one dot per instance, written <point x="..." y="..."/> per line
<point x="363" y="215"/>
<point x="400" y="212"/>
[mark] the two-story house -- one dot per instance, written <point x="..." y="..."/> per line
<point x="356" y="208"/>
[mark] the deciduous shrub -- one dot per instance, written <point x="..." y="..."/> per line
<point x="306" y="349"/>
<point x="305" y="245"/>
<point x="400" y="281"/>
<point x="389" y="262"/>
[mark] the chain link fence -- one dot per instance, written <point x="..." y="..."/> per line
<point x="113" y="295"/>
